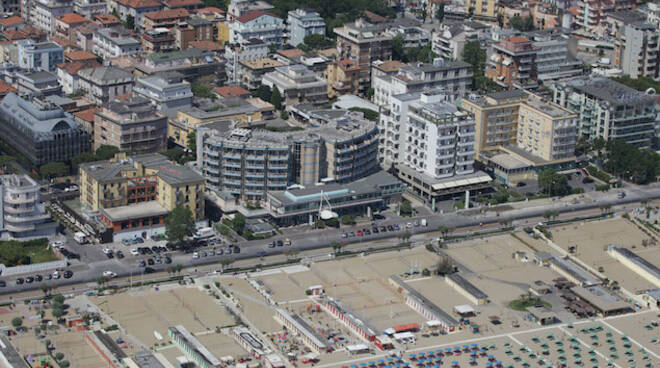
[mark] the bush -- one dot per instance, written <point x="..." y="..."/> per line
<point x="593" y="171"/>
<point x="348" y="220"/>
<point x="603" y="187"/>
<point x="64" y="364"/>
<point x="59" y="356"/>
<point x="577" y="190"/>
<point x="17" y="322"/>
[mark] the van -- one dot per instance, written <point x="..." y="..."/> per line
<point x="204" y="233"/>
<point x="80" y="237"/>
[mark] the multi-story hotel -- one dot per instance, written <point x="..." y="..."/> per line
<point x="134" y="194"/>
<point x="22" y="212"/>
<point x="513" y="63"/>
<point x="250" y="163"/>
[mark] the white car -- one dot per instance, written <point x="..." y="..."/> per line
<point x="109" y="274"/>
<point x="57" y="244"/>
<point x="56" y="274"/>
<point x="107" y="250"/>
<point x="135" y="252"/>
<point x="195" y="255"/>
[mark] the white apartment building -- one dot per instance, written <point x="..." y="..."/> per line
<point x="167" y="91"/>
<point x="450" y="39"/>
<point x="554" y="59"/>
<point x="641" y="54"/>
<point x="23" y="213"/>
<point x="252" y="49"/>
<point x="297" y="84"/>
<point x="90" y="8"/>
<point x="42" y="13"/>
<point x="257" y="24"/>
<point x="452" y="76"/>
<point x="115" y="42"/>
<point x="237" y="8"/>
<point x="39" y="55"/>
<point x="302" y="23"/>
<point x="413" y="36"/>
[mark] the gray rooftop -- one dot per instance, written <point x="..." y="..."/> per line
<point x="600" y="298"/>
<point x="570" y="268"/>
<point x="42" y="118"/>
<point x="106" y="75"/>
<point x="467" y="286"/>
<point x="628" y="16"/>
<point x="171" y="173"/>
<point x="438" y="313"/>
<point x="610" y="91"/>
<point x="145" y="359"/>
<point x="636" y="259"/>
<point x="134" y="211"/>
<point x="40" y="77"/>
<point x="118" y="35"/>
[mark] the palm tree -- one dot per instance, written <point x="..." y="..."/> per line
<point x="336" y="246"/>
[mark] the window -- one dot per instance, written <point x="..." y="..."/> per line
<point x="155" y="220"/>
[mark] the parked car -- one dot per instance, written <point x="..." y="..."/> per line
<point x="68" y="274"/>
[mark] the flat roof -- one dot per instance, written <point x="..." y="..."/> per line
<point x="134" y="211"/>
<point x="509" y="161"/>
<point x="425" y="302"/>
<point x="467" y="286"/>
<point x="146" y="359"/>
<point x="569" y="267"/>
<point x="348" y="314"/>
<point x="636" y="259"/>
<point x="303" y="327"/>
<point x="600" y="298"/>
<point x="608" y="90"/>
<point x="194" y="344"/>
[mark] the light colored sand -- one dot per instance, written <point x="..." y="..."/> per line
<point x="77" y="350"/>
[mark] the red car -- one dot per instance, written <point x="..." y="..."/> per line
<point x="359" y="232"/>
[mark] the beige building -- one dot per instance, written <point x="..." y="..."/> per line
<point x="482" y="10"/>
<point x="343" y="78"/>
<point x="133" y="126"/>
<point x="250" y="72"/>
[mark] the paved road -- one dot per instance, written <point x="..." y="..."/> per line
<point x="90" y="272"/>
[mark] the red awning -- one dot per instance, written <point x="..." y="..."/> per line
<point x="406" y="328"/>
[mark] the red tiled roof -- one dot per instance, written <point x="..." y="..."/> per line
<point x="518" y="39"/>
<point x="71" y="18"/>
<point x="6" y="88"/>
<point x="205" y="45"/>
<point x="10" y="21"/>
<point x="348" y="64"/>
<point x="168" y="14"/>
<point x="75" y="66"/>
<point x="373" y="17"/>
<point x="80" y="55"/>
<point x="107" y="19"/>
<point x="252" y="15"/>
<point x="181" y="3"/>
<point x="291" y="53"/>
<point x="211" y="9"/>
<point x="230" y="91"/>
<point x="86" y="115"/>
<point x="14" y="34"/>
<point x="139" y="4"/>
<point x="63" y="42"/>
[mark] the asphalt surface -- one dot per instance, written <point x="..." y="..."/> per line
<point x="89" y="272"/>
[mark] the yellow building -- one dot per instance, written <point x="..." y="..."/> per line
<point x="546" y="130"/>
<point x="343" y="78"/>
<point x="223" y="32"/>
<point x="496" y="118"/>
<point x="237" y="109"/>
<point x="483" y="10"/>
<point x="138" y="191"/>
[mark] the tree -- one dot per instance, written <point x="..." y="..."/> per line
<point x="129" y="22"/>
<point x="17" y="322"/>
<point x="553" y="183"/>
<point x="179" y="224"/>
<point x="629" y="162"/>
<point x="424" y="12"/>
<point x="82" y="158"/>
<point x="58" y="299"/>
<point x="59" y="356"/>
<point x="405" y="236"/>
<point x="5" y="159"/>
<point x="336" y="246"/>
<point x="263" y="92"/>
<point x="276" y="99"/>
<point x="406" y="208"/>
<point x="54" y="169"/>
<point x="315" y="42"/>
<point x="191" y="141"/>
<point x="398" y="52"/>
<point x="238" y="223"/>
<point x="173" y="154"/>
<point x="332" y="222"/>
<point x="100" y="281"/>
<point x="106" y="152"/>
<point x="45" y="288"/>
<point x="444" y="230"/>
<point x="440" y="13"/>
<point x="200" y="89"/>
<point x="368" y="113"/>
<point x="221" y="4"/>
<point x="522" y="24"/>
<point x="347" y="220"/>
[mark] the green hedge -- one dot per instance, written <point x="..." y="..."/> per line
<point x="593" y="171"/>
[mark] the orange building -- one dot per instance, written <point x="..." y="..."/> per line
<point x="513" y="63"/>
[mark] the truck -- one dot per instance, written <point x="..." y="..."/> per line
<point x="80" y="237"/>
<point x="204" y="233"/>
<point x="423" y="222"/>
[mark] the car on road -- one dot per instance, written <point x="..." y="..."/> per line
<point x="351" y="234"/>
<point x="155" y="249"/>
<point x="135" y="252"/>
<point x="57" y="244"/>
<point x="383" y="229"/>
<point x="19" y="281"/>
<point x="29" y="279"/>
<point x="68" y="274"/>
<point x="204" y="254"/>
<point x="211" y="252"/>
<point x="390" y="228"/>
<point x="280" y="243"/>
<point x="359" y="233"/>
<point x="168" y="260"/>
<point x="142" y="263"/>
<point x="344" y="235"/>
<point x="416" y="223"/>
<point x="138" y="240"/>
<point x="195" y="255"/>
<point x="107" y="250"/>
<point x="396" y="227"/>
<point x="120" y="254"/>
<point x="56" y="274"/>
<point x="3" y="283"/>
<point x="366" y="231"/>
<point x="287" y="242"/>
<point x="49" y="277"/>
<point x="110" y="255"/>
<point x="150" y="261"/>
<point x="375" y="230"/>
<point x="237" y="249"/>
<point x="409" y="225"/>
<point x="38" y="278"/>
<point x="271" y="244"/>
<point x="109" y="274"/>
<point x="378" y="216"/>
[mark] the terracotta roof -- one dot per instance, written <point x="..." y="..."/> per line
<point x="348" y="64"/>
<point x="71" y="18"/>
<point x="181" y="3"/>
<point x="32" y="32"/>
<point x="252" y="15"/>
<point x="205" y="45"/>
<point x="139" y="4"/>
<point x="6" y="88"/>
<point x="63" y="42"/>
<point x="168" y="14"/>
<point x="10" y="21"/>
<point x="80" y="55"/>
<point x="14" y="34"/>
<point x="86" y="115"/>
<point x="373" y="17"/>
<point x="231" y="91"/>
<point x="74" y="67"/>
<point x="291" y="53"/>
<point x="518" y="39"/>
<point x="391" y="66"/>
<point x="211" y="9"/>
<point x="574" y="11"/>
<point x="107" y="19"/>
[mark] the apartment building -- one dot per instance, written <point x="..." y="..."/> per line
<point x="133" y="126"/>
<point x="250" y="163"/>
<point x="609" y="109"/>
<point x="363" y="43"/>
<point x="252" y="49"/>
<point x="42" y="13"/>
<point x="169" y="92"/>
<point x="297" y="84"/>
<point x="641" y="53"/>
<point x="193" y="29"/>
<point x="251" y="72"/>
<point x="343" y="78"/>
<point x="189" y="5"/>
<point x="133" y="195"/>
<point x="105" y="83"/>
<point x="414" y="37"/>
<point x="555" y="56"/>
<point x="512" y="63"/>
<point x="302" y="23"/>
<point x="450" y="39"/>
<point x="136" y="9"/>
<point x="90" y="8"/>
<point x="257" y="24"/>
<point x="110" y="43"/>
<point x="454" y="77"/>
<point x="591" y="14"/>
<point x="482" y="10"/>
<point x="11" y="7"/>
<point x="192" y="63"/>
<point x="66" y="23"/>
<point x="40" y="83"/>
<point x="158" y="40"/>
<point x="39" y="55"/>
<point x="67" y="74"/>
<point x="238" y="8"/>
<point x="41" y="131"/>
<point x="165" y="18"/>
<point x="23" y="213"/>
